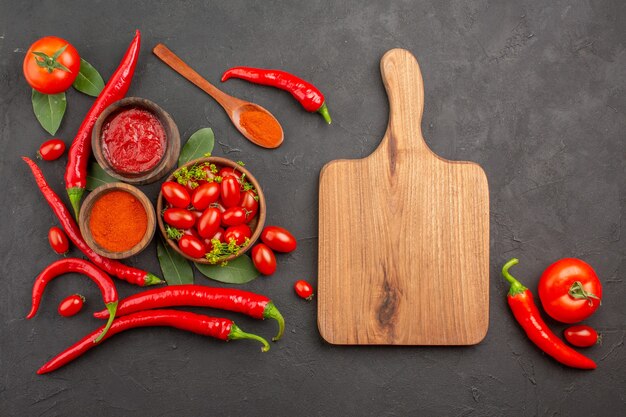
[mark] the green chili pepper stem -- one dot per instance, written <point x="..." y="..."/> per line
<point x="516" y="286"/>
<point x="271" y="312"/>
<point x="75" y="194"/>
<point x="112" y="307"/>
<point x="236" y="333"/>
<point x="152" y="279"/>
<point x="323" y="110"/>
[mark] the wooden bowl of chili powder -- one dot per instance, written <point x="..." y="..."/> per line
<point x="196" y="173"/>
<point x="136" y="141"/>
<point x="117" y="220"/>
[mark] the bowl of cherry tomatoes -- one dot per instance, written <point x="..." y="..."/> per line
<point x="211" y="210"/>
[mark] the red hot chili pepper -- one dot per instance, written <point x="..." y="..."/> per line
<point x="78" y="156"/>
<point x="527" y="315"/>
<point x="218" y="328"/>
<point x="127" y="273"/>
<point x="306" y="93"/>
<point x="63" y="266"/>
<point x="254" y="305"/>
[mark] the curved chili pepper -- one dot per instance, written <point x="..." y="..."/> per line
<point x="306" y="93"/>
<point x="254" y="305"/>
<point x="127" y="273"/>
<point x="218" y="328"/>
<point x="62" y="266"/>
<point x="78" y="155"/>
<point x="527" y="315"/>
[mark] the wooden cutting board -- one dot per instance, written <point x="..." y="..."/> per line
<point x="403" y="235"/>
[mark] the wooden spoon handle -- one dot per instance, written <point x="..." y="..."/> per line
<point x="178" y="65"/>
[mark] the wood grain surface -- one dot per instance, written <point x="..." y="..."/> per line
<point x="403" y="235"/>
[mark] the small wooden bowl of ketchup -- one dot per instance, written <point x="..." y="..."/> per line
<point x="136" y="141"/>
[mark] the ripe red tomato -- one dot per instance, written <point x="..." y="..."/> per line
<point x="192" y="232"/>
<point x="234" y="216"/>
<point x="249" y="202"/>
<point x="303" y="289"/>
<point x="238" y="233"/>
<point x="230" y="192"/>
<point x="219" y="235"/>
<point x="58" y="240"/>
<point x="229" y="172"/>
<point x="175" y="194"/>
<point x="209" y="222"/>
<point x="49" y="74"/>
<point x="191" y="246"/>
<point x="196" y="214"/>
<point x="51" y="149"/>
<point x="205" y="195"/>
<point x="71" y="305"/>
<point x="264" y="259"/>
<point x="581" y="336"/>
<point x="179" y="218"/>
<point x="570" y="290"/>
<point x="278" y="239"/>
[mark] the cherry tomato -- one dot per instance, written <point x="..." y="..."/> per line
<point x="249" y="202"/>
<point x="205" y="195"/>
<point x="234" y="216"/>
<point x="264" y="259"/>
<point x="229" y="172"/>
<point x="207" y="170"/>
<point x="278" y="239"/>
<point x="230" y="192"/>
<point x="51" y="149"/>
<point x="219" y="235"/>
<point x="49" y="74"/>
<point x="209" y="222"/>
<point x="58" y="240"/>
<point x="175" y="194"/>
<point x="238" y="233"/>
<point x="581" y="335"/>
<point x="179" y="218"/>
<point x="196" y="214"/>
<point x="303" y="289"/>
<point x="570" y="290"/>
<point x="71" y="305"/>
<point x="192" y="232"/>
<point x="191" y="246"/>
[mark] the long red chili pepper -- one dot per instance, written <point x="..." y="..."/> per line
<point x="62" y="266"/>
<point x="78" y="155"/>
<point x="245" y="302"/>
<point x="526" y="313"/>
<point x="127" y="273"/>
<point x="218" y="328"/>
<point x="306" y="93"/>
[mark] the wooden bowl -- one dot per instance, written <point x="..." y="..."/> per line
<point x="256" y="224"/>
<point x="85" y="215"/>
<point x="172" y="137"/>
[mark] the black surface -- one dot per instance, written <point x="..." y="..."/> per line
<point x="533" y="91"/>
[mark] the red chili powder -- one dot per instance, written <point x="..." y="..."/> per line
<point x="260" y="125"/>
<point x="118" y="221"/>
<point x="133" y="141"/>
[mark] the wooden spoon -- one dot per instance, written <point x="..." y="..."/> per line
<point x="233" y="106"/>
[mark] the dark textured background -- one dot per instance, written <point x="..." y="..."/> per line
<point x="533" y="91"/>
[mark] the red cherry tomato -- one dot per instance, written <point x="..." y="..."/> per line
<point x="219" y="235"/>
<point x="278" y="239"/>
<point x="49" y="74"/>
<point x="51" y="149"/>
<point x="229" y="172"/>
<point x="248" y="201"/>
<point x="71" y="305"/>
<point x="191" y="246"/>
<point x="209" y="222"/>
<point x="303" y="289"/>
<point x="207" y="170"/>
<point x="570" y="290"/>
<point x="205" y="195"/>
<point x="581" y="335"/>
<point x="175" y="194"/>
<point x="58" y="240"/>
<point x="192" y="232"/>
<point x="234" y="216"/>
<point x="238" y="233"/>
<point x="196" y="215"/>
<point x="264" y="259"/>
<point x="179" y="218"/>
<point x="230" y="192"/>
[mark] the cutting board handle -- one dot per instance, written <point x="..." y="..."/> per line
<point x="405" y="88"/>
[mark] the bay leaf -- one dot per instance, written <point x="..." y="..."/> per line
<point x="198" y="145"/>
<point x="239" y="271"/>
<point x="176" y="269"/>
<point x="49" y="110"/>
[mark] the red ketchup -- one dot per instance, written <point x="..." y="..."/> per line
<point x="133" y="141"/>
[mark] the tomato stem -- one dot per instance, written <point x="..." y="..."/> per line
<point x="578" y="292"/>
<point x="50" y="63"/>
